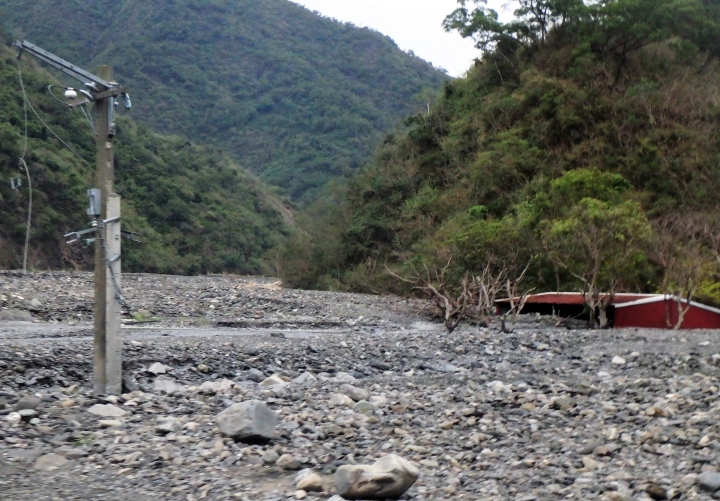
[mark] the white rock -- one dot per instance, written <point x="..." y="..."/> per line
<point x="310" y="482"/>
<point x="388" y="478"/>
<point x="340" y="400"/>
<point x="618" y="360"/>
<point x="378" y="400"/>
<point x="13" y="418"/>
<point x="354" y="392"/>
<point x="106" y="410"/>
<point x="157" y="368"/>
<point x="167" y="386"/>
<point x="221" y="386"/>
<point x="272" y="381"/>
<point x="305" y="378"/>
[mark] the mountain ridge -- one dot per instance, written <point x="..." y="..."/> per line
<point x="297" y="98"/>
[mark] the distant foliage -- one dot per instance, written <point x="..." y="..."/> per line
<point x="195" y="210"/>
<point x="296" y="98"/>
<point x="582" y="126"/>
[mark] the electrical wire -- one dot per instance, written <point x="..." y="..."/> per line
<point x="81" y="106"/>
<point x="27" y="172"/>
<point x="29" y="217"/>
<point x="49" y="87"/>
<point x="22" y="86"/>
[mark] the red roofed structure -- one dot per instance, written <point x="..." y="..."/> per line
<point x="626" y="310"/>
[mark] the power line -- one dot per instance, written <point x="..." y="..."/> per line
<point x="22" y="86"/>
<point x="27" y="172"/>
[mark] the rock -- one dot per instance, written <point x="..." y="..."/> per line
<point x="288" y="462"/>
<point x="354" y="392"/>
<point x="340" y="400"/>
<point x="255" y="375"/>
<point x="106" y="410"/>
<point x="656" y="492"/>
<point x="221" y="386"/>
<point x="300" y="494"/>
<point x="27" y="414"/>
<point x="388" y="478"/>
<point x="129" y="384"/>
<point x="378" y="401"/>
<point x="364" y="407"/>
<point x="157" y="368"/>
<point x="251" y="420"/>
<point x="618" y="360"/>
<point x="305" y="378"/>
<point x="309" y="481"/>
<point x="71" y="452"/>
<point x="50" y="462"/>
<point x="272" y="381"/>
<point x="168" y="425"/>
<point x="166" y="386"/>
<point x="203" y="368"/>
<point x="379" y="364"/>
<point x="110" y="423"/>
<point x="13" y="418"/>
<point x="270" y="457"/>
<point x="15" y="316"/>
<point x="24" y="454"/>
<point x="589" y="463"/>
<point x="709" y="481"/>
<point x="27" y="403"/>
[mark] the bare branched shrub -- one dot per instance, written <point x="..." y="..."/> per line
<point x="486" y="287"/>
<point x="516" y="300"/>
<point x="472" y="298"/>
<point x="452" y="302"/>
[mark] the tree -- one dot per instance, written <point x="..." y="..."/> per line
<point x="679" y="246"/>
<point x="532" y="24"/>
<point x="591" y="227"/>
<point x="598" y="243"/>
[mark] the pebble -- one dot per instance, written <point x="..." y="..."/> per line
<point x="541" y="413"/>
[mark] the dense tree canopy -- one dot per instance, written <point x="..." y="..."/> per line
<point x="579" y="130"/>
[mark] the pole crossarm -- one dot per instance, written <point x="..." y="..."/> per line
<point x="66" y="67"/>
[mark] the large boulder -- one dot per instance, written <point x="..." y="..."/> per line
<point x="388" y="478"/>
<point x="248" y="421"/>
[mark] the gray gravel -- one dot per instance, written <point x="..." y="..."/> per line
<point x="539" y="414"/>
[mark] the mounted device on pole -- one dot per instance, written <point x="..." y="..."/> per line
<point x="104" y="207"/>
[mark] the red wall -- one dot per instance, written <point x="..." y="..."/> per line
<point x="654" y="315"/>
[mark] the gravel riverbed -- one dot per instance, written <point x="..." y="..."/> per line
<point x="543" y="413"/>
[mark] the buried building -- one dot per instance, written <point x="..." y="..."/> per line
<point x="626" y="310"/>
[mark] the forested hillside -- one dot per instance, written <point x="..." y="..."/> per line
<point x="584" y="146"/>
<point x="196" y="210"/>
<point x="297" y="98"/>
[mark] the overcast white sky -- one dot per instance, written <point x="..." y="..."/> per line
<point x="415" y="25"/>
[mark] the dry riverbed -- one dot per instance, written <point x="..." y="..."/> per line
<point x="543" y="413"/>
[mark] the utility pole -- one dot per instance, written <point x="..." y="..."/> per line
<point x="104" y="207"/>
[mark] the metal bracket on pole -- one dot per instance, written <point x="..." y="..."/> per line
<point x="95" y="201"/>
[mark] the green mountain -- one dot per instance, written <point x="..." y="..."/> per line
<point x="297" y="98"/>
<point x="585" y="145"/>
<point x="195" y="209"/>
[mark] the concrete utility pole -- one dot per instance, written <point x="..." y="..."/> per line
<point x="107" y="344"/>
<point x="105" y="208"/>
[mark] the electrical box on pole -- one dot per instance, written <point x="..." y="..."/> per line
<point x="104" y="207"/>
